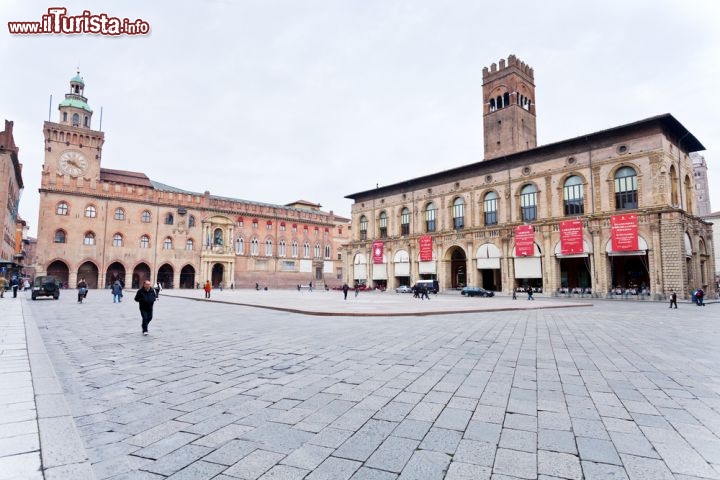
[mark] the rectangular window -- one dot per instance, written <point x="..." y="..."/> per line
<point x="528" y="206"/>
<point x="430" y="220"/>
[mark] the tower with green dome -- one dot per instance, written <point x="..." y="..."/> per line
<point x="74" y="110"/>
<point x="73" y="150"/>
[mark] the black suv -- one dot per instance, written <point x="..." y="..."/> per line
<point x="46" y="286"/>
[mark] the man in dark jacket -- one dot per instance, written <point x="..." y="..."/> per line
<point x="146" y="298"/>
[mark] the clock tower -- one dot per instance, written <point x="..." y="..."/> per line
<point x="72" y="148"/>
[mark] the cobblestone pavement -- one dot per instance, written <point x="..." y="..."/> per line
<point x="220" y="391"/>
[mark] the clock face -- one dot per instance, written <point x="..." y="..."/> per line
<point x="73" y="163"/>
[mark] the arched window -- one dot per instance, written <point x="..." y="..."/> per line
<point x="573" y="196"/>
<point x="363" y="227"/>
<point x="382" y="223"/>
<point x="191" y="221"/>
<point x="506" y="99"/>
<point x="294" y="249"/>
<point x="119" y="214"/>
<point x="493" y="107"/>
<point x="144" y="241"/>
<point x="405" y="221"/>
<point x="254" y="247"/>
<point x="64" y="116"/>
<point x="239" y="246"/>
<point x="60" y="236"/>
<point x="430" y="212"/>
<point x="458" y="213"/>
<point x="89" y="238"/>
<point x="62" y="208"/>
<point x="86" y="121"/>
<point x="76" y="120"/>
<point x="90" y="211"/>
<point x="268" y="248"/>
<point x="169" y="219"/>
<point x="689" y="194"/>
<point x="490" y="205"/>
<point x="281" y="248"/>
<point x="117" y="240"/>
<point x="328" y="252"/>
<point x="528" y="203"/>
<point x="189" y="244"/>
<point x="626" y="189"/>
<point x="145" y="217"/>
<point x="317" y="250"/>
<point x="306" y="250"/>
<point x="167" y="243"/>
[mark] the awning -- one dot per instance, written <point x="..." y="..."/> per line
<point x="426" y="268"/>
<point x="402" y="269"/>
<point x="360" y="272"/>
<point x="379" y="271"/>
<point x="528" y="267"/>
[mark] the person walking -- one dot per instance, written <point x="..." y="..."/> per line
<point x="673" y="299"/>
<point x="82" y="290"/>
<point x="3" y="286"/>
<point x="529" y="292"/>
<point x="157" y="289"/>
<point x="207" y="289"/>
<point x="145" y="296"/>
<point x="357" y="290"/>
<point x="345" y="290"/>
<point x="15" y="284"/>
<point x="310" y="287"/>
<point x="117" y="291"/>
<point x="700" y="295"/>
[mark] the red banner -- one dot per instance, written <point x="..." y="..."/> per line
<point x="377" y="252"/>
<point x="624" y="232"/>
<point x="524" y="241"/>
<point x="426" y="248"/>
<point x="571" y="237"/>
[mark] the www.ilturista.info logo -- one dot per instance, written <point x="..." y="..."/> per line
<point x="57" y="21"/>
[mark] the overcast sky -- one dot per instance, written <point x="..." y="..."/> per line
<point x="275" y="101"/>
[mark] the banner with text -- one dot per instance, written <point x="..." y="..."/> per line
<point x="571" y="237"/>
<point x="524" y="241"/>
<point x="425" y="248"/>
<point x="624" y="230"/>
<point x="377" y="252"/>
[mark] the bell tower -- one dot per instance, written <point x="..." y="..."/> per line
<point x="508" y="108"/>
<point x="72" y="148"/>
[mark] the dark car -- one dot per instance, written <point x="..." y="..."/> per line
<point x="476" y="292"/>
<point x="46" y="286"/>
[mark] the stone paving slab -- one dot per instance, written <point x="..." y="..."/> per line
<point x="226" y="391"/>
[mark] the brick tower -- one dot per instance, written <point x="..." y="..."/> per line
<point x="509" y="108"/>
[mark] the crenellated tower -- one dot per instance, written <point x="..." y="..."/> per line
<point x="72" y="148"/>
<point x="508" y="108"/>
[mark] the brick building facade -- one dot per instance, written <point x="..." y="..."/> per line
<point x="11" y="185"/>
<point x="638" y="177"/>
<point x="104" y="224"/>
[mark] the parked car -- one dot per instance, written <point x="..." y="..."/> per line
<point x="46" y="286"/>
<point x="476" y="292"/>
<point x="403" y="289"/>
